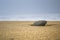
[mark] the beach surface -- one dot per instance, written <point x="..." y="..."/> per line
<point x="22" y="30"/>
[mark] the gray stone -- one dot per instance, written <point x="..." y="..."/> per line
<point x="40" y="23"/>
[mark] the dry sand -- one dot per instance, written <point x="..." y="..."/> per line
<point x="22" y="30"/>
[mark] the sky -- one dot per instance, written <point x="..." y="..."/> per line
<point x="26" y="10"/>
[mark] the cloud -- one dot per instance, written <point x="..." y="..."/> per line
<point x="43" y="16"/>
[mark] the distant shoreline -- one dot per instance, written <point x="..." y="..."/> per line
<point x="29" y="20"/>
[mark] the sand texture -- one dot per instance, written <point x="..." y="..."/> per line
<point x="22" y="30"/>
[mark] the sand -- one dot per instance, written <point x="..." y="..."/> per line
<point x="22" y="30"/>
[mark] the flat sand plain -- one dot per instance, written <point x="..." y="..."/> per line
<point x="22" y="30"/>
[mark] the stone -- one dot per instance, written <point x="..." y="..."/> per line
<point x="40" y="23"/>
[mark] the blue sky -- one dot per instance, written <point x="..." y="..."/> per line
<point x="29" y="9"/>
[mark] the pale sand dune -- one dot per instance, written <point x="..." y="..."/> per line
<point x="24" y="31"/>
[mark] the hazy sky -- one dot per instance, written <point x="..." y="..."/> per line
<point x="29" y="9"/>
